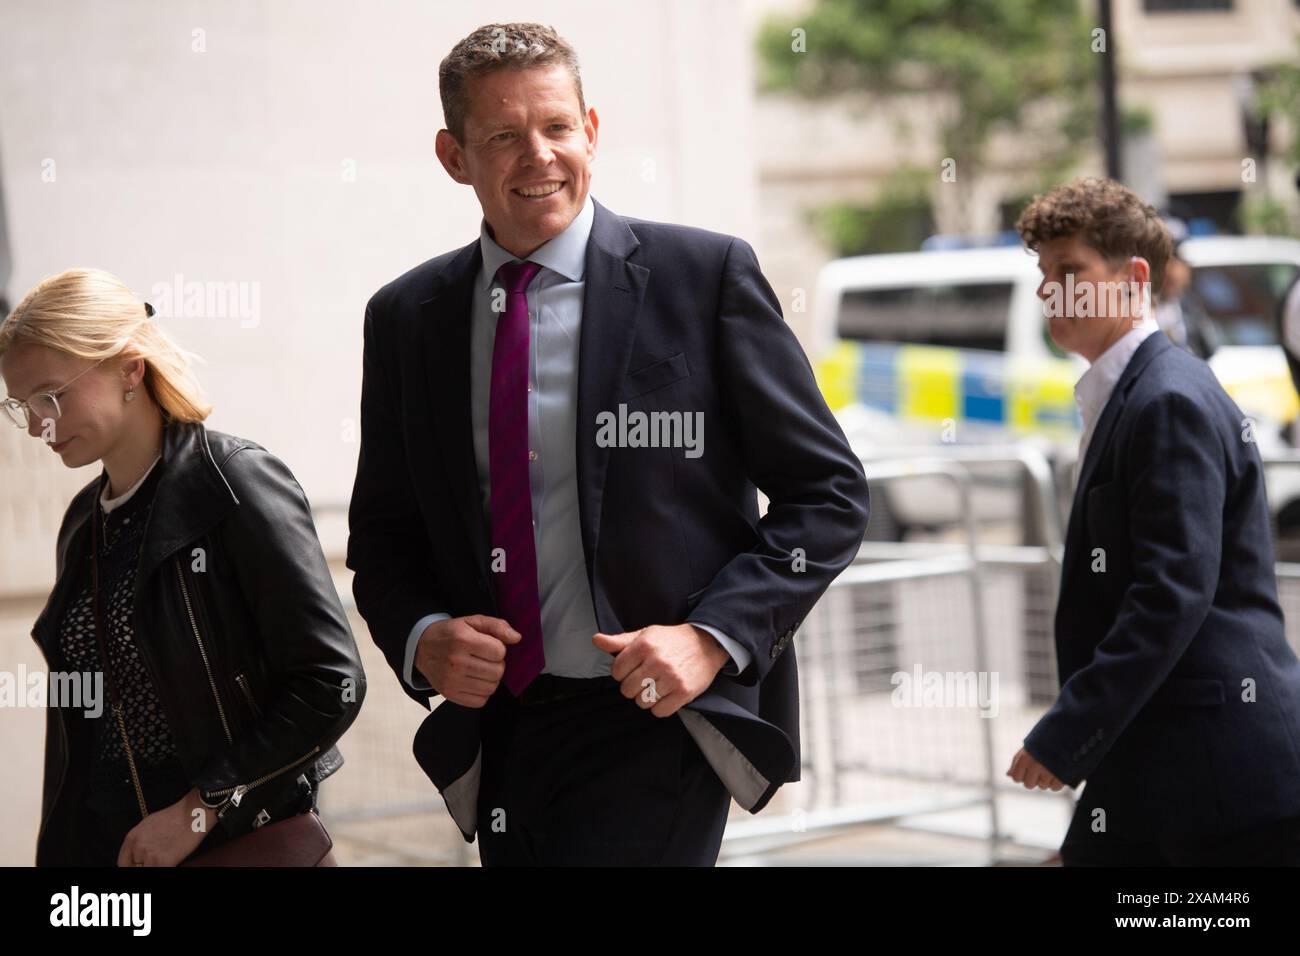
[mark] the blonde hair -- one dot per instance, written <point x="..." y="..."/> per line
<point x="91" y="314"/>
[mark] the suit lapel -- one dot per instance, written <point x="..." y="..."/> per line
<point x="1154" y="344"/>
<point x="610" y="309"/>
<point x="447" y="315"/>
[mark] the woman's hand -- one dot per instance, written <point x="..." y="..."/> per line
<point x="167" y="836"/>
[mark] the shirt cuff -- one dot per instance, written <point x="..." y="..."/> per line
<point x="739" y="656"/>
<point x="408" y="662"/>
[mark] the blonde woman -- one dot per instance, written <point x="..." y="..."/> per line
<point x="191" y="564"/>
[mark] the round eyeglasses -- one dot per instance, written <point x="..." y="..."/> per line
<point x="43" y="406"/>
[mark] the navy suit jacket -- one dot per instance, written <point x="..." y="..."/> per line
<point x="1180" y="697"/>
<point x="674" y="319"/>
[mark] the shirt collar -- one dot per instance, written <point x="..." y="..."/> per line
<point x="1095" y="385"/>
<point x="565" y="253"/>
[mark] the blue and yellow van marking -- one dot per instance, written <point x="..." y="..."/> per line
<point x="921" y="383"/>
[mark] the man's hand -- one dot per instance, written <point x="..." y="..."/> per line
<point x="167" y="836"/>
<point x="664" y="667"/>
<point x="1028" y="771"/>
<point x="464" y="658"/>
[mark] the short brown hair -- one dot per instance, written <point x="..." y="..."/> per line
<point x="1107" y="216"/>
<point x="499" y="46"/>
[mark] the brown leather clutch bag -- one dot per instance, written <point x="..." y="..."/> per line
<point x="299" y="840"/>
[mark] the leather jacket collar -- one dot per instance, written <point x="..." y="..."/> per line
<point x="192" y="497"/>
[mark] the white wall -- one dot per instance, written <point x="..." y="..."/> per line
<point x="228" y="166"/>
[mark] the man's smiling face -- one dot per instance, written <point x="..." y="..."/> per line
<point x="527" y="152"/>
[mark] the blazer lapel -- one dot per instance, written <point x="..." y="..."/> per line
<point x="610" y="308"/>
<point x="1153" y="345"/>
<point x="447" y="315"/>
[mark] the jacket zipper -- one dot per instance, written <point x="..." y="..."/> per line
<point x="235" y="794"/>
<point x="207" y="666"/>
<point x="242" y="681"/>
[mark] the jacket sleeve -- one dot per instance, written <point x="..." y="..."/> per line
<point x="1175" y="473"/>
<point x="315" y="679"/>
<point x="388" y="548"/>
<point x="795" y="451"/>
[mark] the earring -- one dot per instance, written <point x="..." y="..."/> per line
<point x="130" y="395"/>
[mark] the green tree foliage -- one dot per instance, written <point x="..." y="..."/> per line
<point x="1280" y="95"/>
<point x="1023" y="67"/>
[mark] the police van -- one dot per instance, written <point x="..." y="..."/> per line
<point x="951" y="347"/>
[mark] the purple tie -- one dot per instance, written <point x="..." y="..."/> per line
<point x="511" y="490"/>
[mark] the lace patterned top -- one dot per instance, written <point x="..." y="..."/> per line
<point x="122" y="523"/>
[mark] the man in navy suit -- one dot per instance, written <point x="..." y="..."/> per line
<point x="1180" y="697"/>
<point x="555" y="523"/>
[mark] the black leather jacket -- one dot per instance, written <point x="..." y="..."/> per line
<point x="240" y="626"/>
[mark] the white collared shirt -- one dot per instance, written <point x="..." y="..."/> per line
<point x="1092" y="391"/>
<point x="108" y="504"/>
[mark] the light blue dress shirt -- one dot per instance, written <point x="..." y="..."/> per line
<point x="555" y="321"/>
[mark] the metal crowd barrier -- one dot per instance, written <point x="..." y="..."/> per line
<point x="869" y="761"/>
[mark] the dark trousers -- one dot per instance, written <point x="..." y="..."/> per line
<point x="574" y="773"/>
<point x="1271" y="844"/>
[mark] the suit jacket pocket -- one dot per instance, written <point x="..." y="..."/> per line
<point x="1174" y="775"/>
<point x="656" y="375"/>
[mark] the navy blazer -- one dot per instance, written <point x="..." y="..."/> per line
<point x="674" y="319"/>
<point x="1180" y="697"/>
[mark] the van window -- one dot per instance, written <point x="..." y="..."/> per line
<point x="964" y="315"/>
<point x="1242" y="301"/>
